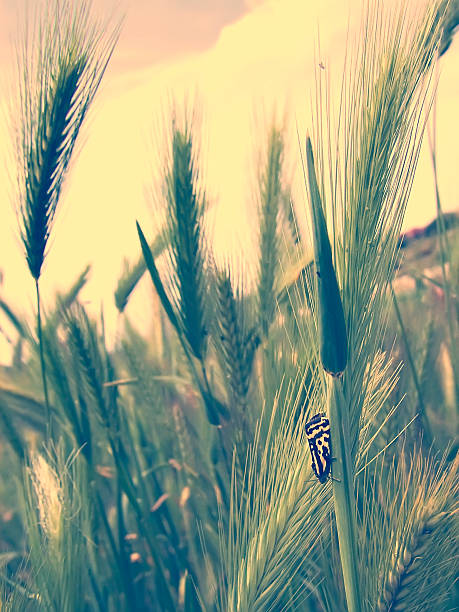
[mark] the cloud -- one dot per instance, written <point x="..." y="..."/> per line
<point x="159" y="30"/>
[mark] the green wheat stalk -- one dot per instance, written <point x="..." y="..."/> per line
<point x="333" y="356"/>
<point x="185" y="214"/>
<point x="61" y="60"/>
<point x="184" y="298"/>
<point x="372" y="159"/>
<point x="236" y="343"/>
<point x="269" y="203"/>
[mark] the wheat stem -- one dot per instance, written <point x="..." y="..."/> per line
<point x="343" y="492"/>
<point x="42" y="361"/>
<point x="334" y="355"/>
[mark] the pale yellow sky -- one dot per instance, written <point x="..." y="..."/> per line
<point x="244" y="58"/>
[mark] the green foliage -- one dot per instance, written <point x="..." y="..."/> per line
<point x="176" y="474"/>
<point x="10" y="432"/>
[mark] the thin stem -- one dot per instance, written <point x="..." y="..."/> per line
<point x="126" y="574"/>
<point x="228" y="463"/>
<point x="428" y="438"/>
<point x="127" y="484"/>
<point x="42" y="361"/>
<point x="96" y="590"/>
<point x="343" y="493"/>
<point x="117" y="554"/>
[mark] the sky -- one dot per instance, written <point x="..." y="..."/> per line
<point x="245" y="61"/>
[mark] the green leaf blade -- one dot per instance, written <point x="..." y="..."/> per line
<point x="333" y="335"/>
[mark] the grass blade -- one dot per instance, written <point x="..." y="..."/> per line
<point x="151" y="266"/>
<point x="332" y="327"/>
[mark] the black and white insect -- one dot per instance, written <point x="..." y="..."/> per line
<point x="318" y="434"/>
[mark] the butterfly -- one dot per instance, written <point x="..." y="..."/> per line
<point x="318" y="435"/>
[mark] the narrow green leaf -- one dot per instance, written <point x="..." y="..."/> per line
<point x="213" y="407"/>
<point x="10" y="431"/>
<point x="333" y="337"/>
<point x="191" y="603"/>
<point x="132" y="275"/>
<point x="13" y="318"/>
<point x="149" y="260"/>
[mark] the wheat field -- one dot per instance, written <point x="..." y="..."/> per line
<point x="173" y="469"/>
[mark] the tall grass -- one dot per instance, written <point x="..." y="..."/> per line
<point x="366" y="167"/>
<point x="177" y="475"/>
<point x="61" y="60"/>
<point x="370" y="177"/>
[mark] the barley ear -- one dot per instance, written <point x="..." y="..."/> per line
<point x="186" y="206"/>
<point x="277" y="519"/>
<point x="83" y="341"/>
<point x="407" y="571"/>
<point x="412" y="562"/>
<point x="270" y="192"/>
<point x="450" y="19"/>
<point x="59" y="364"/>
<point x="235" y="344"/>
<point x="58" y="522"/>
<point x="62" y="60"/>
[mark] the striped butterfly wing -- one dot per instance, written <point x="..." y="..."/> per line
<point x="318" y="435"/>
